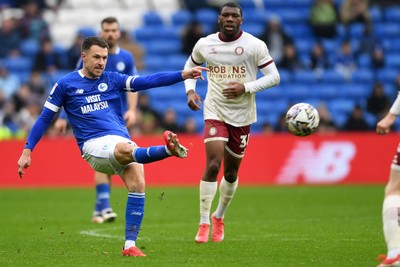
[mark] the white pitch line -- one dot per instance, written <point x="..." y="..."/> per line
<point x="97" y="233"/>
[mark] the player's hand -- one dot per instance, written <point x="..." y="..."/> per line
<point x="193" y="100"/>
<point x="383" y="126"/>
<point x="60" y="126"/>
<point x="233" y="90"/>
<point x="130" y="118"/>
<point x="194" y="73"/>
<point x="24" y="162"/>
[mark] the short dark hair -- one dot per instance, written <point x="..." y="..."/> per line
<point x="231" y="4"/>
<point x="93" y="40"/>
<point x="109" y="20"/>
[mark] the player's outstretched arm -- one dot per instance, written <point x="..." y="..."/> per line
<point x="141" y="83"/>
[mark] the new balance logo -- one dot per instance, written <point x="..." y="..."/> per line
<point x="329" y="163"/>
<point x="79" y="91"/>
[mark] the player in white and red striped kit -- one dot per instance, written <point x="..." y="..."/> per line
<point x="391" y="203"/>
<point x="234" y="58"/>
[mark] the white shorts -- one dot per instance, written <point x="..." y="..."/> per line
<point x="99" y="153"/>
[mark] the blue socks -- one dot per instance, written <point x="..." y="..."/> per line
<point x="150" y="154"/>
<point x="102" y="197"/>
<point x="134" y="215"/>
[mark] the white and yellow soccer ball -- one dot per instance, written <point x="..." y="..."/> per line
<point x="302" y="119"/>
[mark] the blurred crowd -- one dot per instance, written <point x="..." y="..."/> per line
<point x="22" y="94"/>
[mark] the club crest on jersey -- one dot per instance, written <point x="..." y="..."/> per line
<point x="120" y="66"/>
<point x="212" y="131"/>
<point x="239" y="50"/>
<point x="102" y="87"/>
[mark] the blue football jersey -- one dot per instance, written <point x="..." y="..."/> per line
<point x="121" y="61"/>
<point x="93" y="106"/>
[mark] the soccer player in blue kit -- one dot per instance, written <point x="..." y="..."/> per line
<point x="91" y="99"/>
<point x="121" y="61"/>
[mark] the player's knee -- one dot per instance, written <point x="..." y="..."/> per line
<point x="213" y="168"/>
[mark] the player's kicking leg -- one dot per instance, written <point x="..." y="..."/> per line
<point x="172" y="142"/>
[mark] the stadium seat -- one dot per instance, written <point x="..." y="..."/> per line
<point x="305" y="77"/>
<point x="29" y="48"/>
<point x="19" y="64"/>
<point x="387" y="30"/>
<point x="207" y="17"/>
<point x="376" y="14"/>
<point x="392" y="14"/>
<point x="255" y="16"/>
<point x="145" y="33"/>
<point x="365" y="76"/>
<point x="181" y="18"/>
<point x="393" y="60"/>
<point x="341" y="105"/>
<point x="152" y="18"/>
<point x="333" y="77"/>
<point x="364" y="61"/>
<point x="286" y="76"/>
<point x="387" y="75"/>
<point x="355" y="91"/>
<point x="163" y="48"/>
<point x="87" y="31"/>
<point x="325" y="91"/>
<point x="256" y="29"/>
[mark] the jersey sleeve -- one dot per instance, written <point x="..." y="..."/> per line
<point x="263" y="58"/>
<point x="196" y="55"/>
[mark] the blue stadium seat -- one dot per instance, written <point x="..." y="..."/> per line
<point x="176" y="62"/>
<point x="364" y="61"/>
<point x="305" y="77"/>
<point x="286" y="76"/>
<point x="376" y="14"/>
<point x="154" y="63"/>
<point x="87" y="31"/>
<point x="393" y="60"/>
<point x="163" y="48"/>
<point x="356" y="30"/>
<point x="365" y="76"/>
<point x="355" y="91"/>
<point x="247" y="5"/>
<point x="333" y="77"/>
<point x="29" y="48"/>
<point x="304" y="46"/>
<point x="152" y="18"/>
<point x="391" y="45"/>
<point x="298" y="92"/>
<point x="181" y="18"/>
<point x="145" y="33"/>
<point x="387" y="30"/>
<point x="255" y="16"/>
<point x="19" y="64"/>
<point x="207" y="17"/>
<point x="325" y="91"/>
<point x="387" y="75"/>
<point x="392" y="14"/>
<point x="256" y="29"/>
<point x="341" y="105"/>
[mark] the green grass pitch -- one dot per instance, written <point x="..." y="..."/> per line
<point x="264" y="226"/>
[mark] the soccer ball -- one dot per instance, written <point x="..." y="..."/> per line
<point x="302" y="119"/>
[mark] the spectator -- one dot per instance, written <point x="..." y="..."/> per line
<point x="267" y="128"/>
<point x="326" y="124"/>
<point x="290" y="60"/>
<point x="33" y="25"/>
<point x="9" y="83"/>
<point x="47" y="60"/>
<point x="324" y="18"/>
<point x="368" y="41"/>
<point x="345" y="62"/>
<point x="21" y="97"/>
<point x="356" y="121"/>
<point x="378" y="58"/>
<point x="10" y="36"/>
<point x="378" y="103"/>
<point x="74" y="52"/>
<point x="276" y="38"/>
<point x="169" y="121"/>
<point x="130" y="45"/>
<point x="190" y="126"/>
<point x="192" y="33"/>
<point x="318" y="59"/>
<point x="354" y="11"/>
<point x="38" y="86"/>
